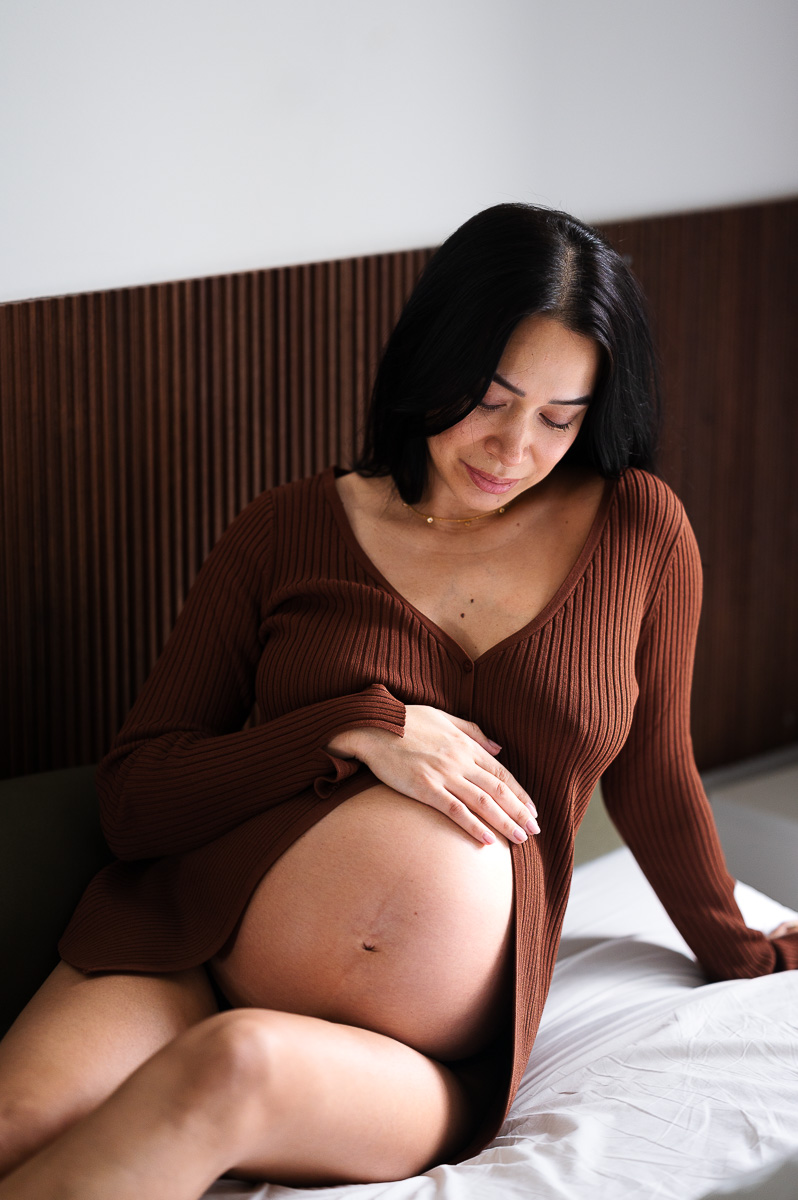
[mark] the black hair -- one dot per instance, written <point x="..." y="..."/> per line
<point x="509" y="262"/>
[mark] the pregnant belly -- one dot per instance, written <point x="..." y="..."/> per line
<point x="386" y="915"/>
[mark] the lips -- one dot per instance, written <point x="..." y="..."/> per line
<point x="490" y="483"/>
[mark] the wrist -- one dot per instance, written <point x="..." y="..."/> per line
<point x="343" y="744"/>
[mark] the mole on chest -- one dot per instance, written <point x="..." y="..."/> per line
<point x="478" y="625"/>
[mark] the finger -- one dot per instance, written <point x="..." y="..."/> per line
<point x="507" y="795"/>
<point x="504" y="787"/>
<point x="493" y="814"/>
<point x="784" y="928"/>
<point x="458" y="812"/>
<point x="475" y="733"/>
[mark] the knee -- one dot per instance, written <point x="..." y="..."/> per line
<point x="227" y="1064"/>
<point x="231" y="1049"/>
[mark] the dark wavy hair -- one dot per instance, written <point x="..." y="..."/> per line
<point x="509" y="262"/>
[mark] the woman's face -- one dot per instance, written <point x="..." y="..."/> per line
<point x="528" y="418"/>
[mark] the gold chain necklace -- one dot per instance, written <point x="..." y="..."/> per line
<point x="457" y="520"/>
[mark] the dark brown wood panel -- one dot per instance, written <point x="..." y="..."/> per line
<point x="722" y="289"/>
<point x="135" y="423"/>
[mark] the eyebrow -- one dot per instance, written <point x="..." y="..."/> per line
<point x="517" y="391"/>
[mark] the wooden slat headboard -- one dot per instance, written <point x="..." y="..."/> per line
<point x="135" y="423"/>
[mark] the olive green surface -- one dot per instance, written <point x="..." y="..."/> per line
<point x="596" y="835"/>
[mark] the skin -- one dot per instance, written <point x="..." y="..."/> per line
<point x="512" y="436"/>
<point x="182" y="1094"/>
<point x="134" y="1085"/>
<point x="528" y="419"/>
<point x="438" y="978"/>
<point x="406" y="930"/>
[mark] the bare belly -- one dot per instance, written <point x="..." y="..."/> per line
<point x="385" y="915"/>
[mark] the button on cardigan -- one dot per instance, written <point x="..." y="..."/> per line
<point x="288" y="612"/>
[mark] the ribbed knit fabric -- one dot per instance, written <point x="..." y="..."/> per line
<point x="289" y="611"/>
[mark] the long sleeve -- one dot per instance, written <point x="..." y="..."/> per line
<point x="654" y="795"/>
<point x="182" y="771"/>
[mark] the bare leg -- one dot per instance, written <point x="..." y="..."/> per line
<point x="263" y="1094"/>
<point x="78" y="1039"/>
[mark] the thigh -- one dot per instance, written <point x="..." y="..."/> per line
<point x="347" y="1105"/>
<point x="79" y="1038"/>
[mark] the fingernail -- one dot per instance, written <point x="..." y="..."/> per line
<point x="495" y="745"/>
<point x="532" y="827"/>
<point x="531" y="808"/>
<point x="519" y="835"/>
<point x="488" y="838"/>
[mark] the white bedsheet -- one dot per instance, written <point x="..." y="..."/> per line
<point x="644" y="1081"/>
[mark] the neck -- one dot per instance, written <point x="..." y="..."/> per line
<point x="431" y="519"/>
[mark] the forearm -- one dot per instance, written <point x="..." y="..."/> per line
<point x="669" y="827"/>
<point x="344" y="745"/>
<point x="654" y="794"/>
<point x="170" y="793"/>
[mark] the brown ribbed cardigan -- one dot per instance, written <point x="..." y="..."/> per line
<point x="289" y="612"/>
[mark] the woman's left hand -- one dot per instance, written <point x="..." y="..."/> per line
<point x="785" y="927"/>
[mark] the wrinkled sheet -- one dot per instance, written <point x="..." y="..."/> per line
<point x="644" y="1081"/>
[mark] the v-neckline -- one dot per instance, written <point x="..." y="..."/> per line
<point x="562" y="593"/>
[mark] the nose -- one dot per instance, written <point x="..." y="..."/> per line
<point x="511" y="443"/>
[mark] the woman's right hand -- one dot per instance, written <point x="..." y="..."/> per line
<point x="449" y="764"/>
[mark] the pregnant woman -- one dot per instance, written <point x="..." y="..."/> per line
<point x="324" y="951"/>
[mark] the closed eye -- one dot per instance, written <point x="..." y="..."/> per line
<point x="551" y="424"/>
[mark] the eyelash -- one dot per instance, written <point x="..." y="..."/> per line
<point x="551" y="424"/>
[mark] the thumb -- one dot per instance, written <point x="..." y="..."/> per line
<point x="473" y="730"/>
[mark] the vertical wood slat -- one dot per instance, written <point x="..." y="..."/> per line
<point x="136" y="422"/>
<point x="721" y="286"/>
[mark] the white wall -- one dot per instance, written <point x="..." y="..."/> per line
<point x="170" y="138"/>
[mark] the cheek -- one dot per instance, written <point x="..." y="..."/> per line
<point x="567" y="442"/>
<point x="449" y="442"/>
<point x="558" y="444"/>
<point x="573" y="433"/>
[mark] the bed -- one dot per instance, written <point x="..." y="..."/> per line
<point x="644" y="1081"/>
<point x="613" y="1102"/>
